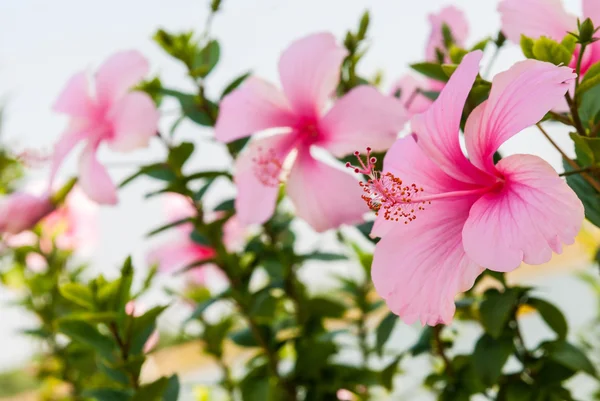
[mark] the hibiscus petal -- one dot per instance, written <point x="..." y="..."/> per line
<point x="591" y="10"/>
<point x="520" y="97"/>
<point x="406" y="160"/>
<point x="257" y="183"/>
<point x="534" y="214"/>
<point x="75" y="99"/>
<point x="309" y="70"/>
<point x="134" y="120"/>
<point x="62" y="148"/>
<point x="118" y="74"/>
<point x="324" y="196"/>
<point x="535" y="18"/>
<point x="362" y="118"/>
<point x="455" y="20"/>
<point x="438" y="127"/>
<point x="94" y="179"/>
<point x="176" y="255"/>
<point x="419" y="267"/>
<point x="412" y="101"/>
<point x="255" y="106"/>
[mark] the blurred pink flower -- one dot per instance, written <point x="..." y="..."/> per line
<point x="183" y="251"/>
<point x="536" y="18"/>
<point x="109" y="113"/>
<point x="132" y="309"/>
<point x="408" y="85"/>
<point x="309" y="71"/>
<point x="21" y="211"/>
<point x="443" y="218"/>
<point x="74" y="225"/>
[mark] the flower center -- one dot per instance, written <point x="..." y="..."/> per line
<point x="388" y="193"/>
<point x="267" y="167"/>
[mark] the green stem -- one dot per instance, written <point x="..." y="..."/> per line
<point x="439" y="349"/>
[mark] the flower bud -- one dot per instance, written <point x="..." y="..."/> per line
<point x="586" y="31"/>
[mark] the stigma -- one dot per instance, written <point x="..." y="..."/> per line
<point x="386" y="194"/>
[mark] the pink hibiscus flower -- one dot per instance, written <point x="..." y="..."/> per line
<point x="21" y="211"/>
<point x="535" y="18"/>
<point x="443" y="218"/>
<point x="109" y="113"/>
<point x="74" y="224"/>
<point x="309" y="70"/>
<point x="407" y="85"/>
<point x="183" y="251"/>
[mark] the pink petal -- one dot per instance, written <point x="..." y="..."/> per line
<point x="118" y="74"/>
<point x="94" y="179"/>
<point x="419" y="267"/>
<point x="362" y="118"/>
<point x="176" y="255"/>
<point x="535" y="18"/>
<point x="406" y="160"/>
<point x="309" y="70"/>
<point x="258" y="184"/>
<point x="591" y="10"/>
<point x="151" y="342"/>
<point x="134" y="120"/>
<point x="457" y="22"/>
<point x="255" y="106"/>
<point x="534" y="214"/>
<point x="21" y="211"/>
<point x="520" y="97"/>
<point x="438" y="127"/>
<point x="75" y="99"/>
<point x="62" y="149"/>
<point x="325" y="197"/>
<point x="413" y="102"/>
<point x="234" y="234"/>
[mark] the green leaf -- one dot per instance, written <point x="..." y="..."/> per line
<point x="234" y="84"/>
<point x="490" y="356"/>
<point x="107" y="394"/>
<point x="235" y="147"/>
<point x="589" y="107"/>
<point x="199" y="194"/>
<point x="586" y="193"/>
<point x="178" y="155"/>
<point x="141" y="329"/>
<point x="480" y="45"/>
<point x="323" y="256"/>
<point x="384" y="330"/>
<point x="160" y="171"/>
<point x="423" y="344"/>
<point x="590" y="79"/>
<point x="456" y="54"/>
<point x="191" y="107"/>
<point x="199" y="238"/>
<point x="152" y="391"/>
<point x="206" y="59"/>
<point x="79" y="294"/>
<point x="495" y="310"/>
<point x="570" y="43"/>
<point x="431" y="70"/>
<point x="325" y="307"/>
<point x="449" y="69"/>
<point x="516" y="391"/>
<point x="551" y="315"/>
<point x="92" y="317"/>
<point x="87" y="334"/>
<point x="388" y="373"/>
<point x="264" y="305"/>
<point x="569" y="356"/>
<point x="168" y="226"/>
<point x="583" y="150"/>
<point x="546" y="49"/>
<point x="225" y="206"/>
<point x="527" y="46"/>
<point x="431" y="95"/>
<point x="171" y="392"/>
<point x="245" y="337"/>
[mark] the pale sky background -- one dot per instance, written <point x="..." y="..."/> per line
<point x="42" y="43"/>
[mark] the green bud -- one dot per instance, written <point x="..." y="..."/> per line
<point x="364" y="25"/>
<point x="214" y="5"/>
<point x="350" y="42"/>
<point x="500" y="39"/>
<point x="59" y="196"/>
<point x="586" y="31"/>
